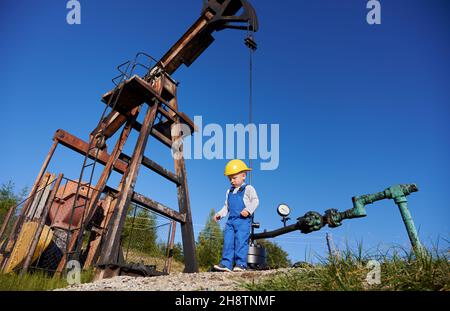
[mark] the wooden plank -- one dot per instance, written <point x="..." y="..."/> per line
<point x="37" y="198"/>
<point x="42" y="202"/>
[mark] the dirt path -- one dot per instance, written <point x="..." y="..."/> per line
<point x="203" y="281"/>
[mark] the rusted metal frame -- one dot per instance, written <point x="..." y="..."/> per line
<point x="72" y="238"/>
<point x="170" y="61"/>
<point x="143" y="86"/>
<point x="72" y="233"/>
<point x="131" y="231"/>
<point x="13" y="209"/>
<point x="160" y="170"/>
<point x="161" y="138"/>
<point x="167" y="247"/>
<point x="58" y="208"/>
<point x="156" y="134"/>
<point x="168" y="266"/>
<point x="111" y="123"/>
<point x="181" y="115"/>
<point x="11" y="242"/>
<point x="93" y="145"/>
<point x="187" y="229"/>
<point x="13" y="236"/>
<point x="102" y="273"/>
<point x="40" y="227"/>
<point x="111" y="128"/>
<point x="157" y="207"/>
<point x="76" y="144"/>
<point x="95" y="244"/>
<point x="77" y="235"/>
<point x="117" y="151"/>
<point x="115" y="120"/>
<point x="41" y="173"/>
<point x="6" y="220"/>
<point x="112" y="240"/>
<point x="27" y="203"/>
<point x="150" y="164"/>
<point x="122" y="73"/>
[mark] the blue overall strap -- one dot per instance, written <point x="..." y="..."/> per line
<point x="241" y="188"/>
<point x="236" y="201"/>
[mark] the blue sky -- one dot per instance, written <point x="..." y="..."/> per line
<point x="360" y="107"/>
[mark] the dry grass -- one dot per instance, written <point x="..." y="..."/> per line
<point x="349" y="273"/>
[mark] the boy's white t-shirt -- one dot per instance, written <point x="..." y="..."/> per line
<point x="251" y="201"/>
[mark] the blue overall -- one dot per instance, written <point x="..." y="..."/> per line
<point x="237" y="231"/>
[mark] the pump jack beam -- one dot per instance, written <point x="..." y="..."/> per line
<point x="216" y="15"/>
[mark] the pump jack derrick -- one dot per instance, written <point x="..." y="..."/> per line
<point x="153" y="94"/>
<point x="90" y="219"/>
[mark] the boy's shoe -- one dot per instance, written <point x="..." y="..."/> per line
<point x="222" y="268"/>
<point x="239" y="269"/>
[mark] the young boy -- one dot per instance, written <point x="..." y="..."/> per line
<point x="240" y="204"/>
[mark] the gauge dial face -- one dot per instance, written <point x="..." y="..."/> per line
<point x="283" y="210"/>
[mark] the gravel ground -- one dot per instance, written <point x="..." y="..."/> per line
<point x="203" y="281"/>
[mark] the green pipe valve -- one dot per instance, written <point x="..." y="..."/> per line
<point x="313" y="221"/>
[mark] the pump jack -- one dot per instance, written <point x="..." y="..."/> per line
<point x="73" y="209"/>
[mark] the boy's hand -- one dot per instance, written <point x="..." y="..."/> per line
<point x="245" y="213"/>
<point x="217" y="217"/>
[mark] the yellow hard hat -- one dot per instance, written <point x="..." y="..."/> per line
<point x="235" y="166"/>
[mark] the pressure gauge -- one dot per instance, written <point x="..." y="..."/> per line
<point x="283" y="210"/>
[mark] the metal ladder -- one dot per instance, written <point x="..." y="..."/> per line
<point x="97" y="143"/>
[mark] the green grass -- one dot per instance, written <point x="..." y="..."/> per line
<point x="349" y="272"/>
<point x="37" y="281"/>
